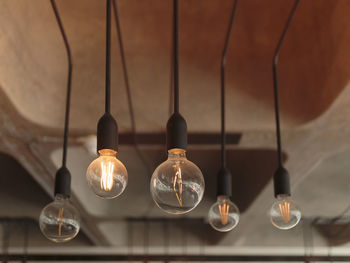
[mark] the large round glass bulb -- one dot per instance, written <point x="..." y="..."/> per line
<point x="59" y="220"/>
<point x="107" y="176"/>
<point x="177" y="185"/>
<point x="223" y="215"/>
<point x="284" y="213"/>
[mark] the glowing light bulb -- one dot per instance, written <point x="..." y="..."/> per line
<point x="177" y="185"/>
<point x="107" y="176"/>
<point x="59" y="220"/>
<point x="223" y="215"/>
<point x="284" y="213"/>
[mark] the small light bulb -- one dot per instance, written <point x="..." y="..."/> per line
<point x="177" y="185"/>
<point x="284" y="213"/>
<point x="107" y="176"/>
<point x="223" y="215"/>
<point x="59" y="220"/>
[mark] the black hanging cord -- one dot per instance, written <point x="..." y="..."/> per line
<point x="176" y="136"/>
<point x="108" y="57"/>
<point x="223" y="66"/>
<point x="69" y="82"/>
<point x="127" y="85"/>
<point x="125" y="71"/>
<point x="171" y="86"/>
<point x="129" y="97"/>
<point x="275" y="88"/>
<point x="176" y="58"/>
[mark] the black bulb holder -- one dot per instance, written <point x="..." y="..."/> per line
<point x="63" y="177"/>
<point x="107" y="133"/>
<point x="281" y="177"/>
<point x="62" y="182"/>
<point x="281" y="182"/>
<point x="107" y="128"/>
<point x="224" y="182"/>
<point x="176" y="132"/>
<point x="176" y="128"/>
<point x="224" y="178"/>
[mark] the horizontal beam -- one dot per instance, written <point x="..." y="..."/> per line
<point x="165" y="258"/>
<point x="193" y="138"/>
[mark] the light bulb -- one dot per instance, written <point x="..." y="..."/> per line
<point x="177" y="185"/>
<point x="284" y="213"/>
<point x="224" y="214"/>
<point x="107" y="176"/>
<point x="59" y="220"/>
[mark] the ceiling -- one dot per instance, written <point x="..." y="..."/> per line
<point x="313" y="76"/>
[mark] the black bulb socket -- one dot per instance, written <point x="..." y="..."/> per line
<point x="107" y="133"/>
<point x="62" y="182"/>
<point x="176" y="136"/>
<point x="224" y="182"/>
<point x="281" y="182"/>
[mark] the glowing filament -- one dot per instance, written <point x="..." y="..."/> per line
<point x="178" y="182"/>
<point x="60" y="220"/>
<point x="107" y="176"/>
<point x="285" y="210"/>
<point x="223" y="209"/>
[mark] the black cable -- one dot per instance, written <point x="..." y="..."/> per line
<point x="223" y="66"/>
<point x="275" y="88"/>
<point x="69" y="82"/>
<point x="125" y="71"/>
<point x="108" y="57"/>
<point x="129" y="97"/>
<point x="171" y="94"/>
<point x="176" y="58"/>
<point x="127" y="86"/>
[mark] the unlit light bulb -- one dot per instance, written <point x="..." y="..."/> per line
<point x="177" y="185"/>
<point x="59" y="220"/>
<point x="284" y="213"/>
<point x="107" y="176"/>
<point x="223" y="215"/>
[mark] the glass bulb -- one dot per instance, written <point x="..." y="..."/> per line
<point x="284" y="213"/>
<point x="59" y="220"/>
<point x="107" y="176"/>
<point x="177" y="185"/>
<point x="224" y="214"/>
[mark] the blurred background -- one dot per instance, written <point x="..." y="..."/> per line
<point x="314" y="73"/>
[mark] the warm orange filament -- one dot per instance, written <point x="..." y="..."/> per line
<point x="178" y="181"/>
<point x="223" y="209"/>
<point x="285" y="210"/>
<point x="107" y="176"/>
<point x="60" y="220"/>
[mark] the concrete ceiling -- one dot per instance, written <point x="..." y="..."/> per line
<point x="314" y="72"/>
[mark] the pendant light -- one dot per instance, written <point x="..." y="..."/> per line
<point x="59" y="220"/>
<point x="107" y="177"/>
<point x="224" y="214"/>
<point x="284" y="213"/>
<point x="177" y="185"/>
